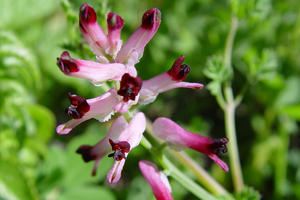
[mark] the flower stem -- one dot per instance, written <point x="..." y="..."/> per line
<point x="210" y="183"/>
<point x="229" y="112"/>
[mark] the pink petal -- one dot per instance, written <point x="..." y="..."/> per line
<point x="162" y="83"/>
<point x="115" y="172"/>
<point x="114" y="24"/>
<point x="92" y="32"/>
<point x="134" y="46"/>
<point x="134" y="132"/>
<point x="158" y="181"/>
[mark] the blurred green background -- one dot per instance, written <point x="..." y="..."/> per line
<point x="35" y="163"/>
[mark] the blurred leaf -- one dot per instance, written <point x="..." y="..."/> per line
<point x="248" y="193"/>
<point x="13" y="183"/>
<point x="18" y="13"/>
<point x="86" y="192"/>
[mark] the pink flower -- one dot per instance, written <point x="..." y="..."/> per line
<point x="133" y="49"/>
<point x="167" y="81"/>
<point x="92" y="32"/>
<point x="121" y="138"/>
<point x="80" y="110"/>
<point x="157" y="180"/>
<point x="95" y="72"/>
<point x="172" y="133"/>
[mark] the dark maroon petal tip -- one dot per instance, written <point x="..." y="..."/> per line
<point x="150" y="18"/>
<point x="119" y="148"/>
<point x="66" y="63"/>
<point x="218" y="145"/>
<point x="114" y="21"/>
<point x="179" y="71"/>
<point x="86" y="153"/>
<point x="87" y="14"/>
<point x="129" y="87"/>
<point x="78" y="107"/>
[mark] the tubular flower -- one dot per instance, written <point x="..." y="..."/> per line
<point x="95" y="72"/>
<point x="167" y="81"/>
<point x="157" y="180"/>
<point x="121" y="138"/>
<point x="80" y="110"/>
<point x="171" y="132"/>
<point x="92" y="32"/>
<point x="133" y="49"/>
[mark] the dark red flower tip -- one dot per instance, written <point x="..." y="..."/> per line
<point x="129" y="87"/>
<point x="66" y="63"/>
<point x="150" y="18"/>
<point x="114" y="21"/>
<point x="179" y="71"/>
<point x="218" y="145"/>
<point x="119" y="148"/>
<point x="87" y="14"/>
<point x="78" y="107"/>
<point x="86" y="153"/>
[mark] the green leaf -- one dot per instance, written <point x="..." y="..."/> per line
<point x="292" y="111"/>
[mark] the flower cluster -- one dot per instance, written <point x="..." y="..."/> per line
<point x="116" y="62"/>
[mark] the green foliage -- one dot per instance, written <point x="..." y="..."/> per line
<point x="218" y="72"/>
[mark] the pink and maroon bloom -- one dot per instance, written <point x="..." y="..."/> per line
<point x="157" y="180"/>
<point x="121" y="139"/>
<point x="166" y="81"/>
<point x="131" y="52"/>
<point x="95" y="72"/>
<point x="174" y="134"/>
<point x="100" y="108"/>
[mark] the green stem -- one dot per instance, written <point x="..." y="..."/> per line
<point x="186" y="182"/>
<point x="229" y="112"/>
<point x="233" y="147"/>
<point x="203" y="177"/>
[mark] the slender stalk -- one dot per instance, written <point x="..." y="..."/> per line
<point x="233" y="147"/>
<point x="229" y="112"/>
<point x="186" y="182"/>
<point x="208" y="182"/>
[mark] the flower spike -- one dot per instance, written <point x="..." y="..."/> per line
<point x="174" y="134"/>
<point x="157" y="180"/>
<point x="166" y="81"/>
<point x="133" y="49"/>
<point x="92" y="32"/>
<point x="95" y="72"/>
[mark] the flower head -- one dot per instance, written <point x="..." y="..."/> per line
<point x="171" y="132"/>
<point x="157" y="180"/>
